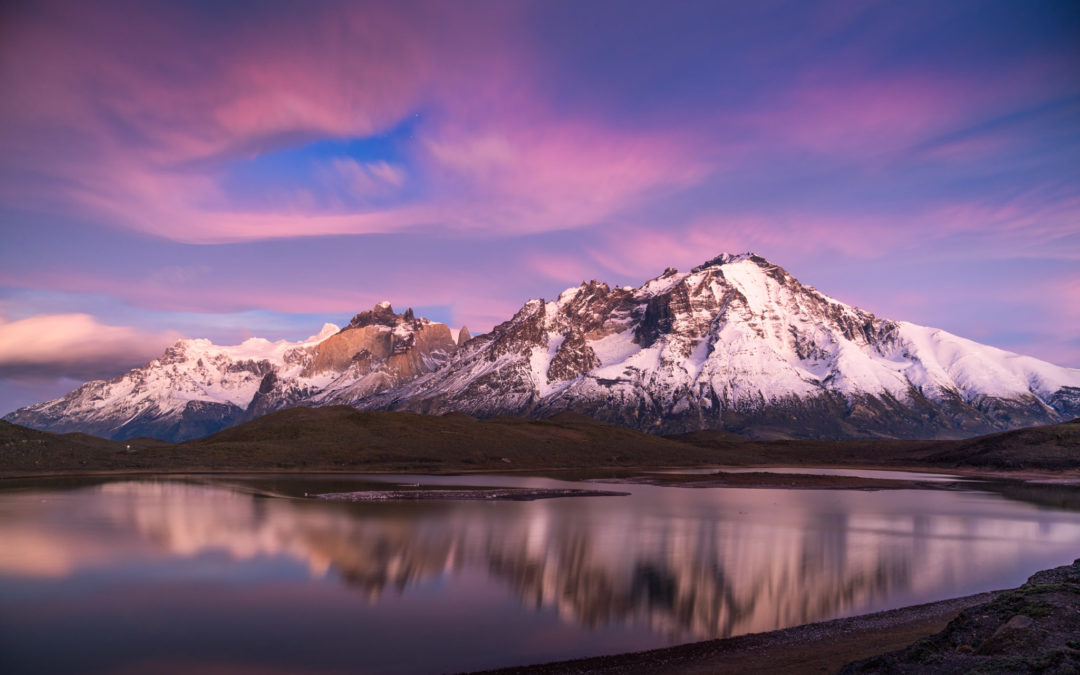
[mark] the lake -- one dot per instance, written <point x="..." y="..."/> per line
<point x="232" y="574"/>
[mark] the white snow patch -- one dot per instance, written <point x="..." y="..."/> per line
<point x="540" y="362"/>
<point x="614" y="349"/>
<point x="752" y="282"/>
<point x="661" y="285"/>
<point x="942" y="359"/>
<point x="568" y="295"/>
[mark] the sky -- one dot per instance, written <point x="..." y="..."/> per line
<point x="239" y="169"/>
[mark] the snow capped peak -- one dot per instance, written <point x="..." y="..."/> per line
<point x="726" y="259"/>
<point x="385" y="304"/>
<point x="743" y="347"/>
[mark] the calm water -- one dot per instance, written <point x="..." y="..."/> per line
<point x="178" y="575"/>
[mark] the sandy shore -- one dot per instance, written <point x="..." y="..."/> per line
<point x="817" y="647"/>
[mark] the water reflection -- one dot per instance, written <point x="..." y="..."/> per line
<point x="683" y="564"/>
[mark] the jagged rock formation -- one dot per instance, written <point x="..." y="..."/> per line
<point x="463" y="336"/>
<point x="736" y="343"/>
<point x="378" y="350"/>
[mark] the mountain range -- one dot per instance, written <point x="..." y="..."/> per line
<point x="736" y="343"/>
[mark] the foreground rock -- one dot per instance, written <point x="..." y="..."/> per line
<point x="1032" y="629"/>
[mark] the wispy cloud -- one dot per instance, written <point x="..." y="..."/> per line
<point x="297" y="158"/>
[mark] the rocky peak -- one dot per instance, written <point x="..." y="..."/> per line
<point x="381" y="314"/>
<point x="176" y="353"/>
<point x="463" y="336"/>
<point x="524" y="331"/>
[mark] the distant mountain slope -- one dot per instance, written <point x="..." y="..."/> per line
<point x="736" y="344"/>
<point x="197" y="387"/>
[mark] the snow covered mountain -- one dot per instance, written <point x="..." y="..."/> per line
<point x="736" y="343"/>
<point x="197" y="387"/>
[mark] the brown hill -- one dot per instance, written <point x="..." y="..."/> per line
<point x="1050" y="447"/>
<point x="340" y="438"/>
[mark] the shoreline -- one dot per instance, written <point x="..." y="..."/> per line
<point x="1050" y="477"/>
<point x="825" y="646"/>
<point x="1030" y="628"/>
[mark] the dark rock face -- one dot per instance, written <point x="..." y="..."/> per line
<point x="201" y="418"/>
<point x="573" y="359"/>
<point x="380" y="315"/>
<point x="197" y="419"/>
<point x="521" y="333"/>
<point x="660" y="313"/>
<point x="1066" y="400"/>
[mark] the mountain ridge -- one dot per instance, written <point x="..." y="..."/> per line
<point x="736" y="343"/>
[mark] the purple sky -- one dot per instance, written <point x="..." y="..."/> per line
<point x="223" y="170"/>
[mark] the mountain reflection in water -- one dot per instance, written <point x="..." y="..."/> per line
<point x="685" y="564"/>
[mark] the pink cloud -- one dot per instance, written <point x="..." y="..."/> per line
<point x="74" y="345"/>
<point x="1029" y="224"/>
<point x="539" y="174"/>
<point x="638" y="251"/>
<point x="149" y="113"/>
<point x="564" y="268"/>
<point x="869" y="115"/>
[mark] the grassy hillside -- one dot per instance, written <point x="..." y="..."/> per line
<point x="341" y="438"/>
<point x="1051" y="447"/>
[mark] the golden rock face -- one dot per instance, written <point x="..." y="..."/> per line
<point x="397" y="346"/>
<point x="335" y="353"/>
